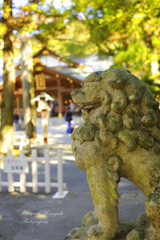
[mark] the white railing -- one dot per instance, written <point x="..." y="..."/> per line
<point x="34" y="184"/>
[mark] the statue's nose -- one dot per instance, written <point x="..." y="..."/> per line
<point x="74" y="93"/>
<point x="78" y="96"/>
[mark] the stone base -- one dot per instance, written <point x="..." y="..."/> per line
<point x="60" y="196"/>
<point x="139" y="230"/>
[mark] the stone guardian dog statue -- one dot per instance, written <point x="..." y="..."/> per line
<point x="120" y="137"/>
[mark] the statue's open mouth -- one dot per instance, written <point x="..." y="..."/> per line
<point x="86" y="109"/>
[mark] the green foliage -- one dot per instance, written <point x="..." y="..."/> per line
<point x="36" y="18"/>
<point x="75" y="42"/>
<point x="153" y="85"/>
<point x="128" y="30"/>
<point x="3" y="29"/>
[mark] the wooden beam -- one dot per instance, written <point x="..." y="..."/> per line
<point x="67" y="89"/>
<point x="60" y="102"/>
<point x="61" y="89"/>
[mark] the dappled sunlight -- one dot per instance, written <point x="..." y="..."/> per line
<point x="70" y="158"/>
<point x="56" y="135"/>
<point x="41" y="196"/>
<point x="62" y="127"/>
<point x="54" y="162"/>
<point x="7" y="132"/>
<point x="41" y="216"/>
<point x="28" y="115"/>
<point x="2" y="164"/>
<point x="38" y="215"/>
<point x="19" y="194"/>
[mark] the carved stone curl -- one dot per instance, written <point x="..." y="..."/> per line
<point x="118" y="138"/>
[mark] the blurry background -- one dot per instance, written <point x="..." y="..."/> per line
<point x="51" y="46"/>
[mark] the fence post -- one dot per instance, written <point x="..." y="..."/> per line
<point x="60" y="172"/>
<point x="0" y="180"/>
<point x="47" y="171"/>
<point x="60" y="194"/>
<point x="10" y="182"/>
<point x="10" y="175"/>
<point x="1" y="172"/>
<point x="34" y="171"/>
<point x="22" y="176"/>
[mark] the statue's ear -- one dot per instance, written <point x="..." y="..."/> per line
<point x="106" y="97"/>
<point x="116" y="78"/>
<point x="118" y="83"/>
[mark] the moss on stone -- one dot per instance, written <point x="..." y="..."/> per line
<point x="119" y="138"/>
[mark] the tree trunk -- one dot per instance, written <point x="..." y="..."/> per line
<point x="28" y="86"/>
<point x="8" y="86"/>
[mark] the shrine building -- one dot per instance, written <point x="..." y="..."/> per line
<point x="53" y="75"/>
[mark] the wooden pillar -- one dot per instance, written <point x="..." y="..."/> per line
<point x="17" y="105"/>
<point x="60" y="103"/>
<point x="0" y="103"/>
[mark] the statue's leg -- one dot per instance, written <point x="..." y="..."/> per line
<point x="152" y="205"/>
<point x="103" y="181"/>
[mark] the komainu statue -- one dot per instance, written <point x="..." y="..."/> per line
<point x="120" y="137"/>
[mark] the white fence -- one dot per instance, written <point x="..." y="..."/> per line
<point x="34" y="184"/>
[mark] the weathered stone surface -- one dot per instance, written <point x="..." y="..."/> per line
<point x="89" y="222"/>
<point x="118" y="138"/>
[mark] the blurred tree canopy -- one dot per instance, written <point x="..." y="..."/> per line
<point x="128" y="30"/>
<point x="38" y="20"/>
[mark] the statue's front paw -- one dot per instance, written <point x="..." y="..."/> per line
<point x="152" y="205"/>
<point x="98" y="232"/>
<point x="89" y="219"/>
<point x="95" y="232"/>
<point x="134" y="235"/>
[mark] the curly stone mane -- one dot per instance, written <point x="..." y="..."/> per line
<point x="130" y="113"/>
<point x="120" y="137"/>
